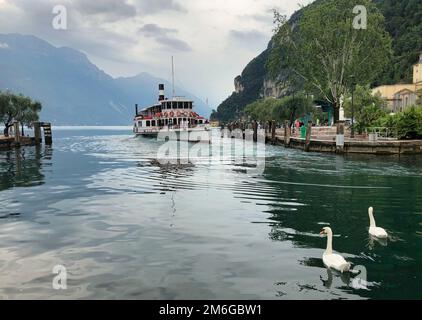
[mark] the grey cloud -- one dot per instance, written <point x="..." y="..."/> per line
<point x="164" y="36"/>
<point x="247" y="36"/>
<point x="109" y="9"/>
<point x="250" y="40"/>
<point x="176" y="44"/>
<point x="147" y="7"/>
<point x="84" y="33"/>
<point x="264" y="18"/>
<point x="153" y="30"/>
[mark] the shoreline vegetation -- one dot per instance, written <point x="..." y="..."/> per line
<point x="370" y="114"/>
<point x="17" y="113"/>
<point x="312" y="74"/>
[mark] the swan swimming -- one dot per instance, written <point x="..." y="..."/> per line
<point x="330" y="259"/>
<point x="373" y="229"/>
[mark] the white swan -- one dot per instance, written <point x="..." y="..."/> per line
<point x="330" y="259"/>
<point x="373" y="229"/>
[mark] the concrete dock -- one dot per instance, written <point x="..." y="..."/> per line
<point x="329" y="140"/>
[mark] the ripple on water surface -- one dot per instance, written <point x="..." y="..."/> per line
<point x="126" y="226"/>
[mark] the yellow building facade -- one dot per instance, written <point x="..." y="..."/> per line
<point x="393" y="94"/>
<point x="417" y="72"/>
<point x="215" y="123"/>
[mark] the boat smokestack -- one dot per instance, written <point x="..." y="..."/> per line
<point x="161" y="92"/>
<point x="136" y="109"/>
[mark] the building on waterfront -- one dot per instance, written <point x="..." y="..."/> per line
<point x="404" y="99"/>
<point x="401" y="96"/>
<point x="215" y="123"/>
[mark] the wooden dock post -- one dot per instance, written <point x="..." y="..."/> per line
<point x="340" y="137"/>
<point x="255" y="131"/>
<point x="16" y="129"/>
<point x="308" y="136"/>
<point x="273" y="128"/>
<point x="287" y="133"/>
<point x="48" y="138"/>
<point x="37" y="133"/>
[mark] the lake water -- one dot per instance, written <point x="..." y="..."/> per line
<point x="127" y="227"/>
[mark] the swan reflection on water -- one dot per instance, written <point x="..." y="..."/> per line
<point x="356" y="278"/>
<point x="373" y="241"/>
<point x="345" y="278"/>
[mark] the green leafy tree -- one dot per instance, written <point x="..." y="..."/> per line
<point x="261" y="110"/>
<point x="406" y="124"/>
<point x="214" y="115"/>
<point x="8" y="111"/>
<point x="17" y="108"/>
<point x="367" y="107"/>
<point x="409" y="123"/>
<point x="368" y="117"/>
<point x="287" y="108"/>
<point x="291" y="107"/>
<point x="324" y="49"/>
<point x="29" y="114"/>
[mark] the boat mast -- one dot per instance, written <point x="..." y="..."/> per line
<point x="172" y="74"/>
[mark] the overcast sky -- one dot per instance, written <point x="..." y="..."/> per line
<point x="211" y="40"/>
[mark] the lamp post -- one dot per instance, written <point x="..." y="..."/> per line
<point x="352" y="133"/>
<point x="293" y="112"/>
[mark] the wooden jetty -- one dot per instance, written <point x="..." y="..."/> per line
<point x="17" y="140"/>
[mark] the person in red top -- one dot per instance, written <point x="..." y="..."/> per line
<point x="297" y="125"/>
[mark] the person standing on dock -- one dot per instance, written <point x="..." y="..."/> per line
<point x="297" y="125"/>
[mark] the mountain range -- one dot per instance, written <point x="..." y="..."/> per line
<point x="71" y="88"/>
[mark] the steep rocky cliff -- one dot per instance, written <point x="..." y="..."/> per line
<point x="248" y="88"/>
<point x="255" y="82"/>
<point x="238" y="85"/>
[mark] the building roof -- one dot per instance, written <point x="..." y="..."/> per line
<point x="405" y="91"/>
<point x="150" y="107"/>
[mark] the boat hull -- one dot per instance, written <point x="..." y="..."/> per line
<point x="192" y="135"/>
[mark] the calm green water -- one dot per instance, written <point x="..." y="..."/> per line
<point x="125" y="227"/>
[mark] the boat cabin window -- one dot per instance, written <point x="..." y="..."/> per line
<point x="148" y="123"/>
<point x="139" y="123"/>
<point x="153" y="123"/>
